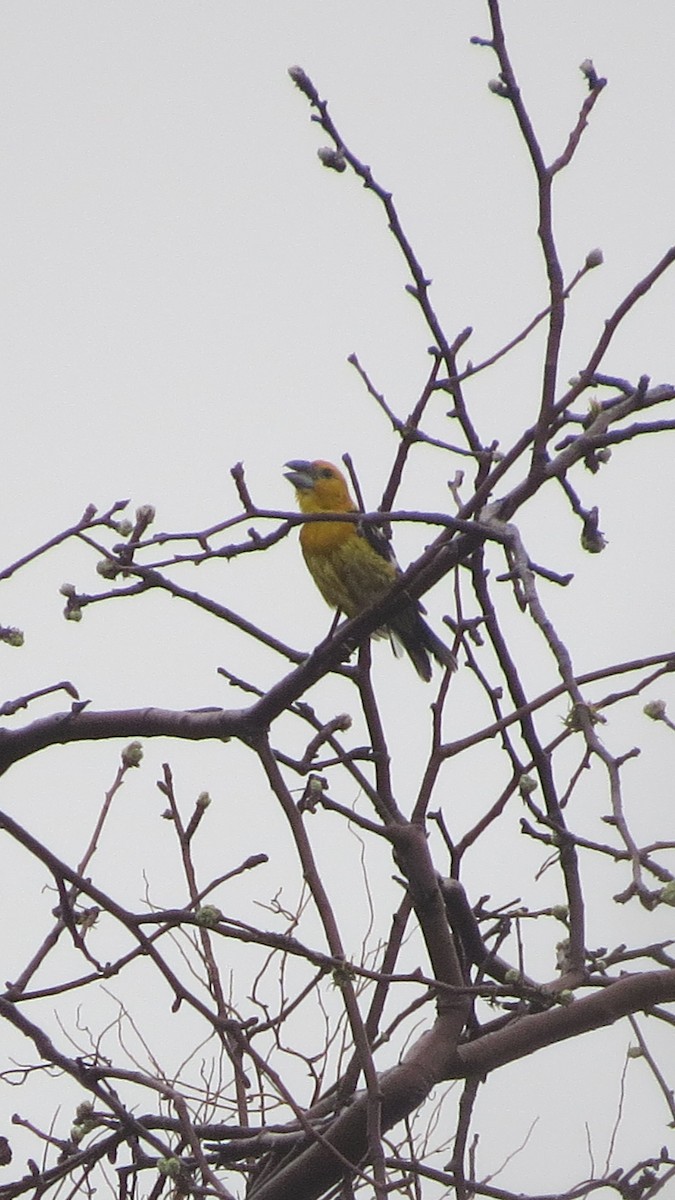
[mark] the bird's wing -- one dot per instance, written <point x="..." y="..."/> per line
<point x="380" y="543"/>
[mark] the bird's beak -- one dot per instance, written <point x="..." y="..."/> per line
<point x="300" y="474"/>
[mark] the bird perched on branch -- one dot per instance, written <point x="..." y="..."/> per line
<point x="353" y="566"/>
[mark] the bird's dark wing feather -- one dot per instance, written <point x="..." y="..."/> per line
<point x="379" y="542"/>
<point x="407" y="625"/>
<point x="382" y="546"/>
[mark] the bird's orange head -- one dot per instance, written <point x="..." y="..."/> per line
<point x="319" y="486"/>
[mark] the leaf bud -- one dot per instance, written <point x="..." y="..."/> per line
<point x="132" y="755"/>
<point x="107" y="569"/>
<point x="594" y="258"/>
<point x="11" y="635"/>
<point x="208" y="916"/>
<point x="667" y="894"/>
<point x="589" y="72"/>
<point x="332" y="158"/>
<point x="304" y="83"/>
<point x="170" y="1167"/>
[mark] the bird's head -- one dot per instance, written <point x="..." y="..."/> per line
<point x="319" y="486"/>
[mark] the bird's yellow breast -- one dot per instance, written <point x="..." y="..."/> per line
<point x="323" y="537"/>
<point x="348" y="572"/>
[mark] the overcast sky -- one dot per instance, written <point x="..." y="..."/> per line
<point x="182" y="283"/>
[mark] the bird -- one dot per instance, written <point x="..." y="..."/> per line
<point x="353" y="565"/>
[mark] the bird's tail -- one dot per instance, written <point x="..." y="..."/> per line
<point x="419" y="641"/>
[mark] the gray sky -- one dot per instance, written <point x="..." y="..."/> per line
<point x="183" y="282"/>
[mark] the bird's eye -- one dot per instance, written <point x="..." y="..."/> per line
<point x="326" y="473"/>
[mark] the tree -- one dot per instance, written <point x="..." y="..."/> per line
<point x="346" y="1048"/>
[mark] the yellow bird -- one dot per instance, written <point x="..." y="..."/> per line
<point x="353" y="566"/>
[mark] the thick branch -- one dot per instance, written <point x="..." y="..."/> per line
<point x="631" y="994"/>
<point x="403" y="1089"/>
<point x="432" y="1059"/>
